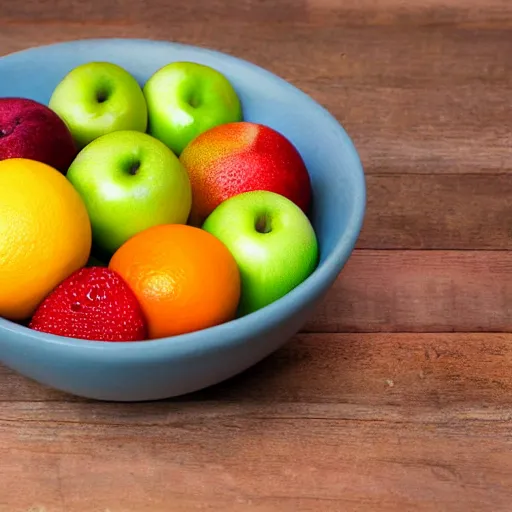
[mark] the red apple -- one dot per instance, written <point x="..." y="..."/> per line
<point x="29" y="129"/>
<point x="238" y="157"/>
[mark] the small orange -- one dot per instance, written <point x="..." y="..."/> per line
<point x="45" y="234"/>
<point x="184" y="277"/>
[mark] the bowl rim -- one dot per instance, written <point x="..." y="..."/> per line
<point x="224" y="334"/>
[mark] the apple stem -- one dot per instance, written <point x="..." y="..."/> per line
<point x="101" y="96"/>
<point x="194" y="101"/>
<point x="134" y="167"/>
<point x="263" y="224"/>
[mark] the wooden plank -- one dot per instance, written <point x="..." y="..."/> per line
<point x="366" y="54"/>
<point x="419" y="291"/>
<point x="424" y="370"/>
<point x="134" y="11"/>
<point x="394" y="291"/>
<point x="411" y="99"/>
<point x="431" y="212"/>
<point x="438" y="212"/>
<point x="362" y="56"/>
<point x="389" y="291"/>
<point x="329" y="423"/>
<point x="446" y="129"/>
<point x="254" y="459"/>
<point x="471" y="13"/>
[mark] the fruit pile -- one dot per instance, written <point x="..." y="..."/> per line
<point x="132" y="212"/>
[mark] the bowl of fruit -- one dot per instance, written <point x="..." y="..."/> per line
<point x="169" y="215"/>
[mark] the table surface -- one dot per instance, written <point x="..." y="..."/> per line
<point x="397" y="395"/>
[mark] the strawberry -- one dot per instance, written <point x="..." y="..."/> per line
<point x="93" y="303"/>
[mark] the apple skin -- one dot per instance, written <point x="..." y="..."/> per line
<point x="97" y="98"/>
<point x="29" y="129"/>
<point x="129" y="181"/>
<point x="239" y="157"/>
<point x="272" y="241"/>
<point x="185" y="99"/>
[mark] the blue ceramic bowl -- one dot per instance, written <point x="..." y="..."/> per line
<point x="173" y="366"/>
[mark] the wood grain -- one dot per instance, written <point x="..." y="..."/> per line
<point x="438" y="212"/>
<point x="411" y="99"/>
<point x="382" y="417"/>
<point x="401" y="13"/>
<point x="470" y="13"/>
<point x="329" y="423"/>
<point x="416" y="370"/>
<point x="419" y="291"/>
<point x="458" y="138"/>
<point x="393" y="291"/>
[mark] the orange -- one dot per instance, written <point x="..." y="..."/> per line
<point x="45" y="234"/>
<point x="184" y="278"/>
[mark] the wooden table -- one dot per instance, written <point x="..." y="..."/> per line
<point x="398" y="394"/>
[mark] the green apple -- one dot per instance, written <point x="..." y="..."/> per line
<point x="129" y="181"/>
<point x="186" y="99"/>
<point x="272" y="241"/>
<point x="99" y="98"/>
